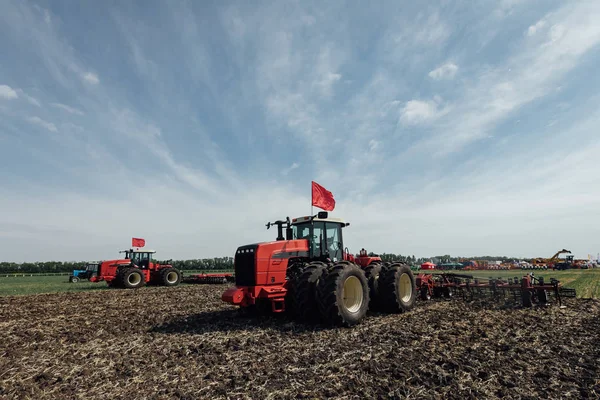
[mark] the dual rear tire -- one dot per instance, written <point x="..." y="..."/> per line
<point x="341" y="294"/>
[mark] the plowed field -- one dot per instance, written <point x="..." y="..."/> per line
<point x="184" y="343"/>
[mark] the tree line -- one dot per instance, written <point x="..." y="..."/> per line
<point x="218" y="263"/>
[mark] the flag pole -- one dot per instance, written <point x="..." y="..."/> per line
<point x="311" y="200"/>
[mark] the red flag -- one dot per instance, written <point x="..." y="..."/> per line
<point x="135" y="242"/>
<point x="322" y="197"/>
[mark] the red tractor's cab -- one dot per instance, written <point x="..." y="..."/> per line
<point x="323" y="235"/>
<point x="136" y="269"/>
<point x="141" y="258"/>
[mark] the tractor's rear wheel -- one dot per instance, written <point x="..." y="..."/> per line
<point x="397" y="288"/>
<point x="343" y="295"/>
<point x="132" y="278"/>
<point x="304" y="291"/>
<point x="170" y="276"/>
<point x="372" y="272"/>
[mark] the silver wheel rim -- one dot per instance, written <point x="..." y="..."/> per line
<point x="352" y="294"/>
<point x="405" y="288"/>
<point x="171" y="277"/>
<point x="134" y="279"/>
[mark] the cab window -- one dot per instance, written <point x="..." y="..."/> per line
<point x="334" y="241"/>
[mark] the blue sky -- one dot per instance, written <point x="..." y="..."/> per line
<point x="441" y="128"/>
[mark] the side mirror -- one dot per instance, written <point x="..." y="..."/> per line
<point x="322" y="214"/>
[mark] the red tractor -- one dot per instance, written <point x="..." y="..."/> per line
<point x="309" y="273"/>
<point x="135" y="270"/>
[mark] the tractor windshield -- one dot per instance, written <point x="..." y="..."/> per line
<point x="139" y="258"/>
<point x="324" y="238"/>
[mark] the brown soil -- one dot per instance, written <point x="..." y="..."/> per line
<point x="184" y="343"/>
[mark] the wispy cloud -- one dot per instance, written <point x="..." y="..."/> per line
<point x="445" y="71"/>
<point x="91" y="77"/>
<point x="418" y="111"/>
<point x="32" y="100"/>
<point x="533" y="29"/>
<point x="408" y="114"/>
<point x="289" y="169"/>
<point x="6" y="92"/>
<point x="44" y="124"/>
<point x="66" y="108"/>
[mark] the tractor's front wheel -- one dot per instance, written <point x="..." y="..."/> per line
<point x="73" y="279"/>
<point x="170" y="276"/>
<point x="343" y="295"/>
<point x="132" y="278"/>
<point x="397" y="288"/>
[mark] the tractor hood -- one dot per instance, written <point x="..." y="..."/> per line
<point x="121" y="261"/>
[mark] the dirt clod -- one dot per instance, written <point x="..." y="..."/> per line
<point x="184" y="343"/>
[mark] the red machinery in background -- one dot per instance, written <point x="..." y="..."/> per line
<point x="527" y="290"/>
<point x="135" y="270"/>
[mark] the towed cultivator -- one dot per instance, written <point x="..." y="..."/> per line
<point x="209" y="278"/>
<point x="526" y="291"/>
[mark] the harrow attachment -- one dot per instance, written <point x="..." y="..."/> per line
<point x="209" y="278"/>
<point x="527" y="290"/>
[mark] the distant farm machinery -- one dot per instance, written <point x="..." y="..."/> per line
<point x="138" y="268"/>
<point x="526" y="291"/>
<point x="209" y="278"/>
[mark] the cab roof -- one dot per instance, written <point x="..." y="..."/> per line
<point x="301" y="220"/>
<point x="138" y="251"/>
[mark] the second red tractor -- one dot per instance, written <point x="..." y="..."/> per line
<point x="309" y="273"/>
<point x="136" y="270"/>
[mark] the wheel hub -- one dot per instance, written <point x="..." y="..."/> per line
<point x="353" y="294"/>
<point x="134" y="279"/>
<point x="405" y="287"/>
<point x="171" y="277"/>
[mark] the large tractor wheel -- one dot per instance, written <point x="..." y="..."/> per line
<point x="132" y="278"/>
<point x="304" y="291"/>
<point x="372" y="272"/>
<point x="397" y="288"/>
<point x="343" y="295"/>
<point x="170" y="276"/>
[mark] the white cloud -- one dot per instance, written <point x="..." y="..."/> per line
<point x="67" y="108"/>
<point x="327" y="81"/>
<point x="289" y="169"/>
<point x="374" y="144"/>
<point x="533" y="29"/>
<point x="446" y="71"/>
<point x="92" y="78"/>
<point x="527" y="76"/>
<point x="433" y="31"/>
<point x="32" y="100"/>
<point x="297" y="69"/>
<point x="6" y="92"/>
<point x="556" y="32"/>
<point x="418" y="112"/>
<point x="44" y="124"/>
